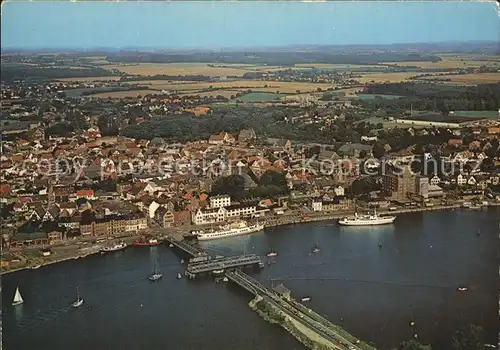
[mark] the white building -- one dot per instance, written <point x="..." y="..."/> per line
<point x="317" y="205"/>
<point x="461" y="180"/>
<point x="435" y="180"/>
<point x="238" y="210"/>
<point x="220" y="201"/>
<point x="339" y="191"/>
<point x="209" y="216"/>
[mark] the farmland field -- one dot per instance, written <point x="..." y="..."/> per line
<point x="484" y="114"/>
<point x="122" y="94"/>
<point x="177" y="69"/>
<point x="374" y="96"/>
<point x="449" y="62"/>
<point x="477" y="78"/>
<point x="241" y="85"/>
<point x="260" y="96"/>
<point x="383" y="77"/>
<point x="88" y="79"/>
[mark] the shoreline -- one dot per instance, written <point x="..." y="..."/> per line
<point x="276" y="221"/>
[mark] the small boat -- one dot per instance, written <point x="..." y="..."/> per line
<point x="146" y="242"/>
<point x="170" y="245"/>
<point x="179" y="276"/>
<point x="218" y="272"/>
<point x="462" y="289"/>
<point x="36" y="267"/>
<point x="79" y="301"/>
<point x="225" y="279"/>
<point x="478" y="232"/>
<point x="305" y="299"/>
<point x="182" y="261"/>
<point x="272" y="254"/>
<point x="114" y="248"/>
<point x="18" y="299"/>
<point x="156" y="275"/>
<point x="379" y="244"/>
<point x="315" y="249"/>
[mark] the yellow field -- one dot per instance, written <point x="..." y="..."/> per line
<point x="88" y="79"/>
<point x="225" y="93"/>
<point x="176" y="69"/>
<point x="479" y="78"/>
<point x="123" y="94"/>
<point x="272" y="86"/>
<point x="328" y="65"/>
<point x="383" y="77"/>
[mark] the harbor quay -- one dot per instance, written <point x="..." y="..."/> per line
<point x="299" y="320"/>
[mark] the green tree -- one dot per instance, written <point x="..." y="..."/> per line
<point x="378" y="150"/>
<point x="469" y="337"/>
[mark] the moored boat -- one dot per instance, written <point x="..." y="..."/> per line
<point x="179" y="276"/>
<point x="114" y="248"/>
<point x="305" y="299"/>
<point x="367" y="220"/>
<point x="462" y="289"/>
<point x="146" y="242"/>
<point x="234" y="229"/>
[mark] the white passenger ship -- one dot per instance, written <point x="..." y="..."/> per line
<point x="234" y="229"/>
<point x="365" y="220"/>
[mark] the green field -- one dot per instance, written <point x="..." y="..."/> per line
<point x="484" y="114"/>
<point x="260" y="97"/>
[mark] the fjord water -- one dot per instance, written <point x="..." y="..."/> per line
<point x="374" y="293"/>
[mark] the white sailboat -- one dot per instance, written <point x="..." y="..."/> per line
<point x="18" y="299"/>
<point x="79" y="301"/>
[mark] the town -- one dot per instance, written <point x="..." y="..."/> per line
<point x="78" y="170"/>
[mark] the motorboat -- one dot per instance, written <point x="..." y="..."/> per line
<point x="462" y="289"/>
<point x="179" y="276"/>
<point x="272" y="254"/>
<point x="305" y="299"/>
<point x="156" y="275"/>
<point x="316" y="249"/>
<point x="218" y="272"/>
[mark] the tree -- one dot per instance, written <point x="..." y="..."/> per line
<point x="232" y="185"/>
<point x="413" y="345"/>
<point x="469" y="337"/>
<point x="378" y="150"/>
<point x="273" y="178"/>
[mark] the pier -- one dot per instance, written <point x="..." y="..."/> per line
<point x="211" y="265"/>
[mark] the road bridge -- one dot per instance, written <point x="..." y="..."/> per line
<point x="223" y="264"/>
<point x="189" y="248"/>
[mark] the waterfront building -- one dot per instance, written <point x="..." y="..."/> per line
<point x="399" y="186"/>
<point x="220" y="201"/>
<point x="422" y="186"/>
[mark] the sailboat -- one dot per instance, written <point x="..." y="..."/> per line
<point x="179" y="276"/>
<point x="156" y="275"/>
<point x="18" y="299"/>
<point x="316" y="247"/>
<point x="79" y="301"/>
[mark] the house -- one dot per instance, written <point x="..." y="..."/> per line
<point x="316" y="205"/>
<point x="164" y="217"/>
<point x="209" y="216"/>
<point x="282" y="145"/>
<point x="339" y="191"/>
<point x="182" y="218"/>
<point x="240" y="210"/>
<point x="220" y="201"/>
<point x="221" y="139"/>
<point x="87" y="194"/>
<point x="246" y="135"/>
<point x="354" y="150"/>
<point x="461" y="180"/>
<point x="435" y="180"/>
<point x="55" y="237"/>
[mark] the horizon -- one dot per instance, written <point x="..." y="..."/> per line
<point x="240" y="25"/>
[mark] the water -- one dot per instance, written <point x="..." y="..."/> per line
<point x="424" y="258"/>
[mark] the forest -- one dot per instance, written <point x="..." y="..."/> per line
<point x="271" y="58"/>
<point x="434" y="97"/>
<point x="12" y="73"/>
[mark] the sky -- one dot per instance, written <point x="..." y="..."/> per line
<point x="217" y="24"/>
